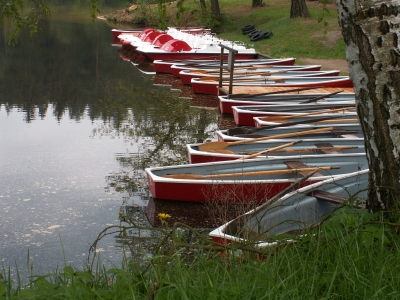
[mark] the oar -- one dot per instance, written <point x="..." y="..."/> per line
<point x="236" y="96"/>
<point x="313" y="99"/>
<point x="251" y="129"/>
<point x="285" y="117"/>
<point x="333" y="148"/>
<point x="257" y="173"/>
<point x="337" y="148"/>
<point x="271" y="150"/>
<point x="216" y="70"/>
<point x="279" y="79"/>
<point x="218" y="145"/>
<point x="299" y="108"/>
<point x="322" y="97"/>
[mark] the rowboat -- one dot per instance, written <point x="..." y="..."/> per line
<point x="244" y="181"/>
<point x="244" y="115"/>
<point x="227" y="102"/>
<point x="276" y="148"/>
<point x="335" y="119"/>
<point x="314" y="131"/>
<point x="165" y="66"/>
<point x="260" y="74"/>
<point x="201" y="48"/>
<point x="294" y="211"/>
<point x="211" y="87"/>
<point x="240" y="67"/>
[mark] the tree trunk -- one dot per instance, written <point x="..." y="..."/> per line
<point x="215" y="9"/>
<point x="371" y="33"/>
<point x="203" y="4"/>
<point x="257" y="3"/>
<point x="299" y="9"/>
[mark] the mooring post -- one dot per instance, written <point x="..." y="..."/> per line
<point x="230" y="66"/>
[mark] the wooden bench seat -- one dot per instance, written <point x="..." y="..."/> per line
<point x="299" y="165"/>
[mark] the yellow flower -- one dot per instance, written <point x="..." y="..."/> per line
<point x="164" y="216"/>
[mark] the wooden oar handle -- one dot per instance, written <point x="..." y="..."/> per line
<point x="271" y="150"/>
<point x="271" y="118"/>
<point x="256" y="173"/>
<point x="280" y="136"/>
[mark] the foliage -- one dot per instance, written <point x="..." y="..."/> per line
<point x="13" y="11"/>
<point x="351" y="255"/>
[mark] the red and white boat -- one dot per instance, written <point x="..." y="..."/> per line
<point x="292" y="212"/>
<point x="200" y="49"/>
<point x="244" y="115"/>
<point x="117" y="32"/>
<point x="299" y="132"/>
<point x="209" y="87"/>
<point x="265" y="149"/>
<point x="240" y="66"/>
<point x="245" y="181"/>
<point x="227" y="102"/>
<point x="187" y="75"/>
<point x="263" y="75"/>
<point x="135" y="32"/>
<point x="164" y="66"/>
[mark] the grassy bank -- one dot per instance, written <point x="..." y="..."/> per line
<point x="351" y="256"/>
<point x="300" y="38"/>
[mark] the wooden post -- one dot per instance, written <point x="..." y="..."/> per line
<point x="229" y="67"/>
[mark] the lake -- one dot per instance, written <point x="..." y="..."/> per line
<point x="78" y="125"/>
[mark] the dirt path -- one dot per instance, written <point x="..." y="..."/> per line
<point x="327" y="64"/>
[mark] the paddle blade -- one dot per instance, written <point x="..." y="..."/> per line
<point x="216" y="145"/>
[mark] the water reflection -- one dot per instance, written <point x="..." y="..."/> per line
<point x="78" y="125"/>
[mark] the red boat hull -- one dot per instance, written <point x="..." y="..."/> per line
<point x="216" y="192"/>
<point x="186" y="77"/>
<point x="193" y="55"/>
<point x="211" y="88"/>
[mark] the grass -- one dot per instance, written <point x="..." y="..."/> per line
<point x="351" y="256"/>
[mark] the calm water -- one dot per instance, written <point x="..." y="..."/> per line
<point x="78" y="125"/>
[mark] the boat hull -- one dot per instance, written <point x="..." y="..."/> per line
<point x="211" y="87"/>
<point x="186" y="76"/>
<point x="247" y="189"/>
<point x="226" y="104"/>
<point x="241" y="151"/>
<point x="294" y="211"/>
<point x="244" y="115"/>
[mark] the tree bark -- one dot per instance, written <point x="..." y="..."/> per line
<point x="215" y="9"/>
<point x="371" y="33"/>
<point x="203" y="4"/>
<point x="299" y="9"/>
<point x="257" y="3"/>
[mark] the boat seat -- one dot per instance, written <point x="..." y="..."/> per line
<point x="326" y="151"/>
<point x="298" y="165"/>
<point x="349" y="136"/>
<point x="328" y="197"/>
